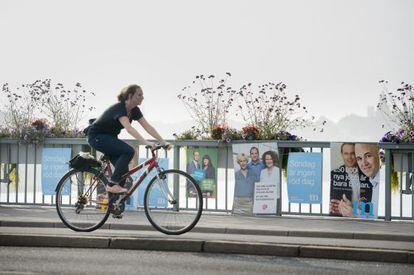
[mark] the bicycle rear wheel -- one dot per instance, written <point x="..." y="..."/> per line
<point x="82" y="200"/>
<point x="173" y="202"/>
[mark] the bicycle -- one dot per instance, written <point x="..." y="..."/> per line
<point x="173" y="200"/>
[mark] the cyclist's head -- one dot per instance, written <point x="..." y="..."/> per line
<point x="131" y="92"/>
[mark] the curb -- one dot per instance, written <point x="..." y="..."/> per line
<point x="53" y="241"/>
<point x="224" y="230"/>
<point x="228" y="247"/>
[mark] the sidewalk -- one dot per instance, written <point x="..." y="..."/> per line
<point x="322" y="237"/>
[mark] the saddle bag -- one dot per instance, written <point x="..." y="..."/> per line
<point x="83" y="161"/>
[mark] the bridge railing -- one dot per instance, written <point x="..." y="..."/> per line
<point x="23" y="186"/>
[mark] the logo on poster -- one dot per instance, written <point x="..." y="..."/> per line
<point x="361" y="210"/>
<point x="264" y="206"/>
<point x="313" y="197"/>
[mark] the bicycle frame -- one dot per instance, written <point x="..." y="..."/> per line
<point x="151" y="163"/>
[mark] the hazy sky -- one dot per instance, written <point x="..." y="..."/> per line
<point x="330" y="52"/>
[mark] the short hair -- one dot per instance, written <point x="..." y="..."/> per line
<point x="272" y="154"/>
<point x="254" y="147"/>
<point x="343" y="144"/>
<point x="241" y="156"/>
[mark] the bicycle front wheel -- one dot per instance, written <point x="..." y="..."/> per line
<point x="173" y="202"/>
<point x="82" y="200"/>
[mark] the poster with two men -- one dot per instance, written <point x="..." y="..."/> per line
<point x="355" y="180"/>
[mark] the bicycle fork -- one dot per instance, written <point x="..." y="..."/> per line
<point x="164" y="188"/>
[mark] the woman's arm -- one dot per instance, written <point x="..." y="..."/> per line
<point x="150" y="130"/>
<point x="124" y="120"/>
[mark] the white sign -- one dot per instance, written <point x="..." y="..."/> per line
<point x="264" y="198"/>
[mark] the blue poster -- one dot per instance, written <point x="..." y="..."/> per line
<point x="54" y="166"/>
<point x="304" y="177"/>
<point x="199" y="174"/>
<point x="157" y="200"/>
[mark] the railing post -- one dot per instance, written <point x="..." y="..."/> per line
<point x="226" y="177"/>
<point x="388" y="172"/>
<point x="176" y="183"/>
<point x="279" y="199"/>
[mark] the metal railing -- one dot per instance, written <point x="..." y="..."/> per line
<point x="405" y="176"/>
<point x="26" y="159"/>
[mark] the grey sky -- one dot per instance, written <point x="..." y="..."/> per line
<point x="330" y="52"/>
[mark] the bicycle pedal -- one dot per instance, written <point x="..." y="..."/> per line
<point x="117" y="216"/>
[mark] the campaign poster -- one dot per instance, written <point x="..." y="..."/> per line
<point x="157" y="199"/>
<point x="355" y="180"/>
<point x="9" y="175"/>
<point x="55" y="163"/>
<point x="201" y="164"/>
<point x="257" y="178"/>
<point x="304" y="178"/>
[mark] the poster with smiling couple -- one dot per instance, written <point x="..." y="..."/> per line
<point x="257" y="179"/>
<point x="355" y="180"/>
<point x="202" y="165"/>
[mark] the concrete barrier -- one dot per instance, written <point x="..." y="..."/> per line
<point x="157" y="244"/>
<point x="251" y="248"/>
<point x="53" y="241"/>
<point x="357" y="254"/>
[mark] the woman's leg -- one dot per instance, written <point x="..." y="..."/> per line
<point x="118" y="151"/>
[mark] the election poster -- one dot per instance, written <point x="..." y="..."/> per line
<point x="55" y="163"/>
<point x="355" y="180"/>
<point x="304" y="178"/>
<point x="157" y="197"/>
<point x="257" y="178"/>
<point x="201" y="164"/>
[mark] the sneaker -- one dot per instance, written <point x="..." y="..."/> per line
<point x="116" y="189"/>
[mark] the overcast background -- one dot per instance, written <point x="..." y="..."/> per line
<point x="332" y="53"/>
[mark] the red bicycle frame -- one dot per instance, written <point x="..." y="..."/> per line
<point x="151" y="163"/>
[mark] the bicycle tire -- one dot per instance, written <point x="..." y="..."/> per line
<point x="195" y="214"/>
<point x="79" y="226"/>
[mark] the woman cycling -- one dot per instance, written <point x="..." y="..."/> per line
<point x="103" y="133"/>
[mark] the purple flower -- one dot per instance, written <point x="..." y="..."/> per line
<point x="292" y="137"/>
<point x="244" y="136"/>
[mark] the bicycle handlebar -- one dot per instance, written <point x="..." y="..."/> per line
<point x="159" y="146"/>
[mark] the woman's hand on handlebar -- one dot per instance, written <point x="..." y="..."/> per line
<point x="154" y="146"/>
<point x="166" y="145"/>
<point x="151" y="145"/>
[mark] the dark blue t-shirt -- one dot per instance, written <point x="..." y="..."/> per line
<point x="108" y="122"/>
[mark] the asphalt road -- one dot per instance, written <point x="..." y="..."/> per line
<point x="27" y="260"/>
